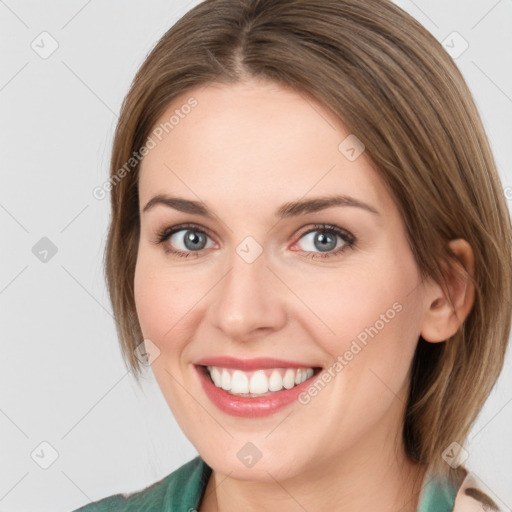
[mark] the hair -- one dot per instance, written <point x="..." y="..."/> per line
<point x="394" y="86"/>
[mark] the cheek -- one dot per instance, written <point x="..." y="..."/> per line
<point x="365" y="308"/>
<point x="375" y="319"/>
<point x="170" y="302"/>
<point x="161" y="301"/>
<point x="348" y="302"/>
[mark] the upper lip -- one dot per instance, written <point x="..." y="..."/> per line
<point x="251" y="364"/>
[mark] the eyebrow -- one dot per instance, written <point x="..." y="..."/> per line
<point x="290" y="209"/>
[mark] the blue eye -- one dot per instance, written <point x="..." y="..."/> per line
<point x="191" y="240"/>
<point x="324" y="237"/>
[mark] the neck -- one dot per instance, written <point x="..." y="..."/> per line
<point x="347" y="482"/>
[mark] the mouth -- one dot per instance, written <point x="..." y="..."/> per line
<point x="259" y="382"/>
<point x="254" y="388"/>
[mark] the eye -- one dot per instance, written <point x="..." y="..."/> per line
<point x="184" y="240"/>
<point x="324" y="238"/>
<point x="190" y="240"/>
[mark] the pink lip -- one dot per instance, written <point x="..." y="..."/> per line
<point x="246" y="406"/>
<point x="251" y="364"/>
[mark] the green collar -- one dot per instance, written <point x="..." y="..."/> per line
<point x="436" y="496"/>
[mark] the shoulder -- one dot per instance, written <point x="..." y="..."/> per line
<point x="181" y="488"/>
<point x="473" y="496"/>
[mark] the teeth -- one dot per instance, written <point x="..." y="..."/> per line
<point x="289" y="379"/>
<point x="239" y="382"/>
<point x="275" y="383"/>
<point x="216" y="377"/>
<point x="259" y="382"/>
<point x="225" y="380"/>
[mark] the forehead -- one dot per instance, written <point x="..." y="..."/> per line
<point x="251" y="141"/>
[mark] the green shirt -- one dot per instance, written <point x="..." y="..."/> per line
<point x="182" y="490"/>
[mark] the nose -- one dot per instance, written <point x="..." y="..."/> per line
<point x="248" y="301"/>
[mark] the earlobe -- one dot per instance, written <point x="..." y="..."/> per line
<point x="441" y="320"/>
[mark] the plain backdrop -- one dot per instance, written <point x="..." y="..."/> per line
<point x="74" y="427"/>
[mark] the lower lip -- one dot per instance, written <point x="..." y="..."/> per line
<point x="250" y="407"/>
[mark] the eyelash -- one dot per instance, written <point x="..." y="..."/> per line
<point x="349" y="239"/>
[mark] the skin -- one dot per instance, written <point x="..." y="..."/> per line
<point x="244" y="150"/>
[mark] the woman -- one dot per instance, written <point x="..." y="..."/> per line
<point x="310" y="246"/>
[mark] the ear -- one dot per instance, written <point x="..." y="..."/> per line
<point x="440" y="321"/>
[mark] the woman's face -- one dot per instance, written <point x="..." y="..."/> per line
<point x="261" y="277"/>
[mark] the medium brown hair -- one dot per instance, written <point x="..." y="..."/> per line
<point x="394" y="86"/>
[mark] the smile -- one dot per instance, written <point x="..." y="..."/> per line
<point x="260" y="382"/>
<point x="253" y="387"/>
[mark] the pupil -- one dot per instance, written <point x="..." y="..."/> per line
<point x="324" y="242"/>
<point x="193" y="238"/>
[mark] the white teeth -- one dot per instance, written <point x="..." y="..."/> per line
<point x="275" y="383"/>
<point x="289" y="379"/>
<point x="258" y="382"/>
<point x="239" y="382"/>
<point x="226" y="380"/>
<point x="216" y="377"/>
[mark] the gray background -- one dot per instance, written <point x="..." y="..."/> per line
<point x="62" y="379"/>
